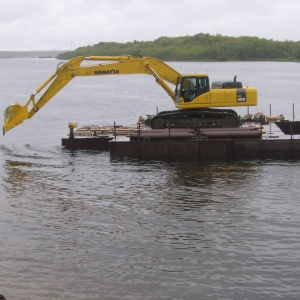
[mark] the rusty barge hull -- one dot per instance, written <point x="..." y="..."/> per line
<point x="202" y="150"/>
<point x="223" y="149"/>
<point x="87" y="143"/>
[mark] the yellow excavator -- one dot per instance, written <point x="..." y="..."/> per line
<point x="193" y="95"/>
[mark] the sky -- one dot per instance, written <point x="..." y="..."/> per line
<point x="68" y="24"/>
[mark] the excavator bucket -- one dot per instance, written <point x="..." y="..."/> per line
<point x="14" y="115"/>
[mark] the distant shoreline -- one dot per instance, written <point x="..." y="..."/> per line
<point x="56" y="53"/>
<point x="31" y="54"/>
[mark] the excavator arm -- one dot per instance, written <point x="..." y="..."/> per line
<point x="16" y="113"/>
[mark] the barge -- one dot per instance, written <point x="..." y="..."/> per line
<point x="289" y="127"/>
<point x="204" y="144"/>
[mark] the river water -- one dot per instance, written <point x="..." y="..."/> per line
<point x="85" y="225"/>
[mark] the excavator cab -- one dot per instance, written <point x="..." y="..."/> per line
<point x="190" y="86"/>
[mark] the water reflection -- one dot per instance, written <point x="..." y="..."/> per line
<point x="16" y="177"/>
<point x="34" y="183"/>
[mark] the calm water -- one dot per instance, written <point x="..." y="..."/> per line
<point x="84" y="225"/>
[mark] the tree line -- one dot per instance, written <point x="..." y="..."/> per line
<point x="199" y="47"/>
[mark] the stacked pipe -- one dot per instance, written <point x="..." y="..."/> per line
<point x="201" y="133"/>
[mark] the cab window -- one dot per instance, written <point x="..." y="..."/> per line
<point x="193" y="87"/>
<point x="189" y="88"/>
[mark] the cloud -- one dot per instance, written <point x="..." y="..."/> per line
<point x="65" y="24"/>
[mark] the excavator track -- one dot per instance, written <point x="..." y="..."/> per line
<point x="196" y="118"/>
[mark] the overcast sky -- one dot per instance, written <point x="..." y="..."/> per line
<point x="68" y="24"/>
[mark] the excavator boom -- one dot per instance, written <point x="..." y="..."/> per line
<point x="16" y="113"/>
